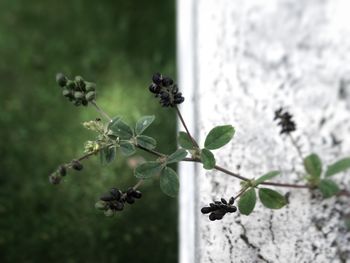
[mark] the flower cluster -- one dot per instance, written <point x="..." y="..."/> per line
<point x="285" y="121"/>
<point x="78" y="91"/>
<point x="115" y="200"/>
<point x="164" y="88"/>
<point x="218" y="209"/>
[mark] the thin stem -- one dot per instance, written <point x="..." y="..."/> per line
<point x="185" y="126"/>
<point x="139" y="183"/>
<point x="296" y="146"/>
<point x="241" y="192"/>
<point x="104" y="114"/>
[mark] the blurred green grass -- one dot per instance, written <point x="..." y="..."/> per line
<point x="118" y="44"/>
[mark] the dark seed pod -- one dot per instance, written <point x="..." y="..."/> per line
<point x="130" y="199"/>
<point x="175" y="89"/>
<point x="116" y="193"/>
<point x="137" y="194"/>
<point x="212" y="217"/>
<point x="157" y="78"/>
<point x="62" y="170"/>
<point x="231" y="201"/>
<point x="76" y="165"/>
<point x="167" y="81"/>
<point x="107" y="198"/>
<point x="119" y="206"/>
<point x="61" y="80"/>
<point x="55" y="178"/>
<point x="223" y="200"/>
<point x="231" y="209"/>
<point x="206" y="210"/>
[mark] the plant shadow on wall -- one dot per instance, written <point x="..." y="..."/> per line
<point x="113" y="134"/>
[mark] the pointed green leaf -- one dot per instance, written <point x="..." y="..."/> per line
<point x="266" y="177"/>
<point x="208" y="159"/>
<point x="107" y="155"/>
<point x="328" y="188"/>
<point x="120" y="129"/>
<point x="219" y="136"/>
<point x="184" y="141"/>
<point x="127" y="148"/>
<point x="247" y="202"/>
<point x="271" y="199"/>
<point x="169" y="182"/>
<point x="113" y="122"/>
<point x="148" y="169"/>
<point x="177" y="156"/>
<point x="338" y="167"/>
<point x="146" y="142"/>
<point x="313" y="165"/>
<point x="143" y="123"/>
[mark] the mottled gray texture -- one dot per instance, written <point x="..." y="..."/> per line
<point x="254" y="56"/>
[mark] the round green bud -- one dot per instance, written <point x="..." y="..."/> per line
<point x="71" y="85"/>
<point x="61" y="79"/>
<point x="109" y="212"/>
<point x="80" y="81"/>
<point x="66" y="92"/>
<point x="90" y="86"/>
<point x="78" y="95"/>
<point x="100" y="205"/>
<point x="90" y="96"/>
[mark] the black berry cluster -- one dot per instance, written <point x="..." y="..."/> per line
<point x="285" y="121"/>
<point x="164" y="88"/>
<point x="56" y="177"/>
<point x="78" y="91"/>
<point x="115" y="200"/>
<point x="218" y="209"/>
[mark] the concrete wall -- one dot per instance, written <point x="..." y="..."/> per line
<point x="239" y="60"/>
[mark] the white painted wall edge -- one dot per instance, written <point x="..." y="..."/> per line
<point x="186" y="68"/>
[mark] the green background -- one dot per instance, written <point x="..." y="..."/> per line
<point x="118" y="44"/>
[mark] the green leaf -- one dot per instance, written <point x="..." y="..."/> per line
<point x="120" y="129"/>
<point x="127" y="148"/>
<point x="143" y="123"/>
<point x="266" y="177"/>
<point x="219" y="136"/>
<point x="328" y="188"/>
<point x="271" y="199"/>
<point x="208" y="159"/>
<point x="177" y="156"/>
<point x="148" y="169"/>
<point x="247" y="202"/>
<point x="146" y="142"/>
<point x="313" y="165"/>
<point x="107" y="155"/>
<point x="169" y="182"/>
<point x="338" y="167"/>
<point x="184" y="141"/>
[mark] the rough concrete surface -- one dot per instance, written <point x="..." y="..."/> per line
<point x="252" y="57"/>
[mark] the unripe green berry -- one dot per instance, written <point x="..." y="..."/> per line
<point x="61" y="79"/>
<point x="100" y="205"/>
<point x="71" y="85"/>
<point x="78" y="95"/>
<point x="90" y="96"/>
<point x="90" y="86"/>
<point x="76" y="165"/>
<point x="66" y="92"/>
<point x="109" y="212"/>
